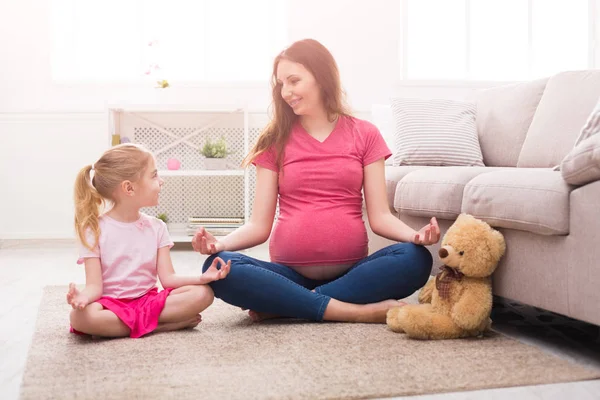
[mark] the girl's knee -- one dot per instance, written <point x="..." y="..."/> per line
<point x="74" y="319"/>
<point x="203" y="296"/>
<point x="79" y="320"/>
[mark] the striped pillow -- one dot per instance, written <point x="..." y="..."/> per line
<point x="435" y="132"/>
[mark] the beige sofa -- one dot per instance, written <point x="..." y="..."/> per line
<point x="552" y="228"/>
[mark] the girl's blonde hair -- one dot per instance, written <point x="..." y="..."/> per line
<point x="320" y="63"/>
<point x="124" y="162"/>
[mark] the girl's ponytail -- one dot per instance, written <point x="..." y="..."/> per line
<point x="87" y="207"/>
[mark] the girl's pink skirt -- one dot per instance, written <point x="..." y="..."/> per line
<point x="139" y="314"/>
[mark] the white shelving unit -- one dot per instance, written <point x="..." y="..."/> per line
<point x="180" y="132"/>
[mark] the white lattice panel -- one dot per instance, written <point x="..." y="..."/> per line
<point x="253" y="134"/>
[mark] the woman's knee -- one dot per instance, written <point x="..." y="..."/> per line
<point x="224" y="255"/>
<point x="417" y="258"/>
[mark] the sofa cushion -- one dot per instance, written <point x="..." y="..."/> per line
<point x="528" y="199"/>
<point x="504" y="114"/>
<point x="435" y="192"/>
<point x="567" y="102"/>
<point x="393" y="175"/>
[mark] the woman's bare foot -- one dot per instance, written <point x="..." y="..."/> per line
<point x="368" y="313"/>
<point x="175" y="326"/>
<point x="377" y="312"/>
<point x="260" y="316"/>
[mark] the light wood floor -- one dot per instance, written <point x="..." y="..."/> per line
<point x="27" y="266"/>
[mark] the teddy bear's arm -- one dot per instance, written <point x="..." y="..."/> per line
<point x="474" y="306"/>
<point x="426" y="293"/>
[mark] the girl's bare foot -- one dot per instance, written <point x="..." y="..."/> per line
<point x="377" y="312"/>
<point x="175" y="326"/>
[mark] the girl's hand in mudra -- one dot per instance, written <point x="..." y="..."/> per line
<point x="205" y="242"/>
<point x="429" y="234"/>
<point x="213" y="273"/>
<point x="76" y="299"/>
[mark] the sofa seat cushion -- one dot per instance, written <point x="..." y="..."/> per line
<point x="528" y="199"/>
<point x="393" y="175"/>
<point x="435" y="191"/>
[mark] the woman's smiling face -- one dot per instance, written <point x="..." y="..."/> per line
<point x="299" y="88"/>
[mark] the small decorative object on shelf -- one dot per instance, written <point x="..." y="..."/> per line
<point x="125" y="140"/>
<point x="215" y="153"/>
<point x="162" y="217"/>
<point x="116" y="139"/>
<point x="173" y="164"/>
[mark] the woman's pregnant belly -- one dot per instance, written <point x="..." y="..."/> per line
<point x="319" y="239"/>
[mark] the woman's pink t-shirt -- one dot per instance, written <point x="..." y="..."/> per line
<point x="128" y="254"/>
<point x="320" y="194"/>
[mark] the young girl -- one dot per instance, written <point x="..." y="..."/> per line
<point x="124" y="251"/>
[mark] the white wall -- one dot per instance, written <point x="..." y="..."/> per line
<point x="48" y="131"/>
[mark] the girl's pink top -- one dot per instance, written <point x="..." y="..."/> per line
<point x="128" y="254"/>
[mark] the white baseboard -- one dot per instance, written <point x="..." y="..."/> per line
<point x="35" y="243"/>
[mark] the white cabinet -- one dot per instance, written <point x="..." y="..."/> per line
<point x="179" y="133"/>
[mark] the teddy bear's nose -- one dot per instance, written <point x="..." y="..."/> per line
<point x="443" y="253"/>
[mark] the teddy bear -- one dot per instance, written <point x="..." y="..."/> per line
<point x="458" y="302"/>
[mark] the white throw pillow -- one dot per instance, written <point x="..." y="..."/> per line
<point x="582" y="165"/>
<point x="592" y="125"/>
<point x="435" y="132"/>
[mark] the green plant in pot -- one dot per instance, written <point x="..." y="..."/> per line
<point x="163" y="217"/>
<point x="215" y="153"/>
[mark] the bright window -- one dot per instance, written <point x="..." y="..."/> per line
<point x="178" y="40"/>
<point x="495" y="39"/>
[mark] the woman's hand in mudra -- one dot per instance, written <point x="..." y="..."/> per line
<point x="205" y="242"/>
<point x="429" y="234"/>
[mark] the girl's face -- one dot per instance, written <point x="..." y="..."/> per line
<point x="149" y="185"/>
<point x="299" y="89"/>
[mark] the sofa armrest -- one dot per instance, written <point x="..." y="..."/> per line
<point x="582" y="165"/>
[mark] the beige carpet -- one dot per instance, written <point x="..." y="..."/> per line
<point x="228" y="357"/>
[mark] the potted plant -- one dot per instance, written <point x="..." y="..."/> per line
<point x="215" y="153"/>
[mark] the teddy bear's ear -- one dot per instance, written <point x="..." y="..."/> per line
<point x="497" y="244"/>
<point x="463" y="218"/>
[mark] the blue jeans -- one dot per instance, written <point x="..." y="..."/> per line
<point x="393" y="272"/>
